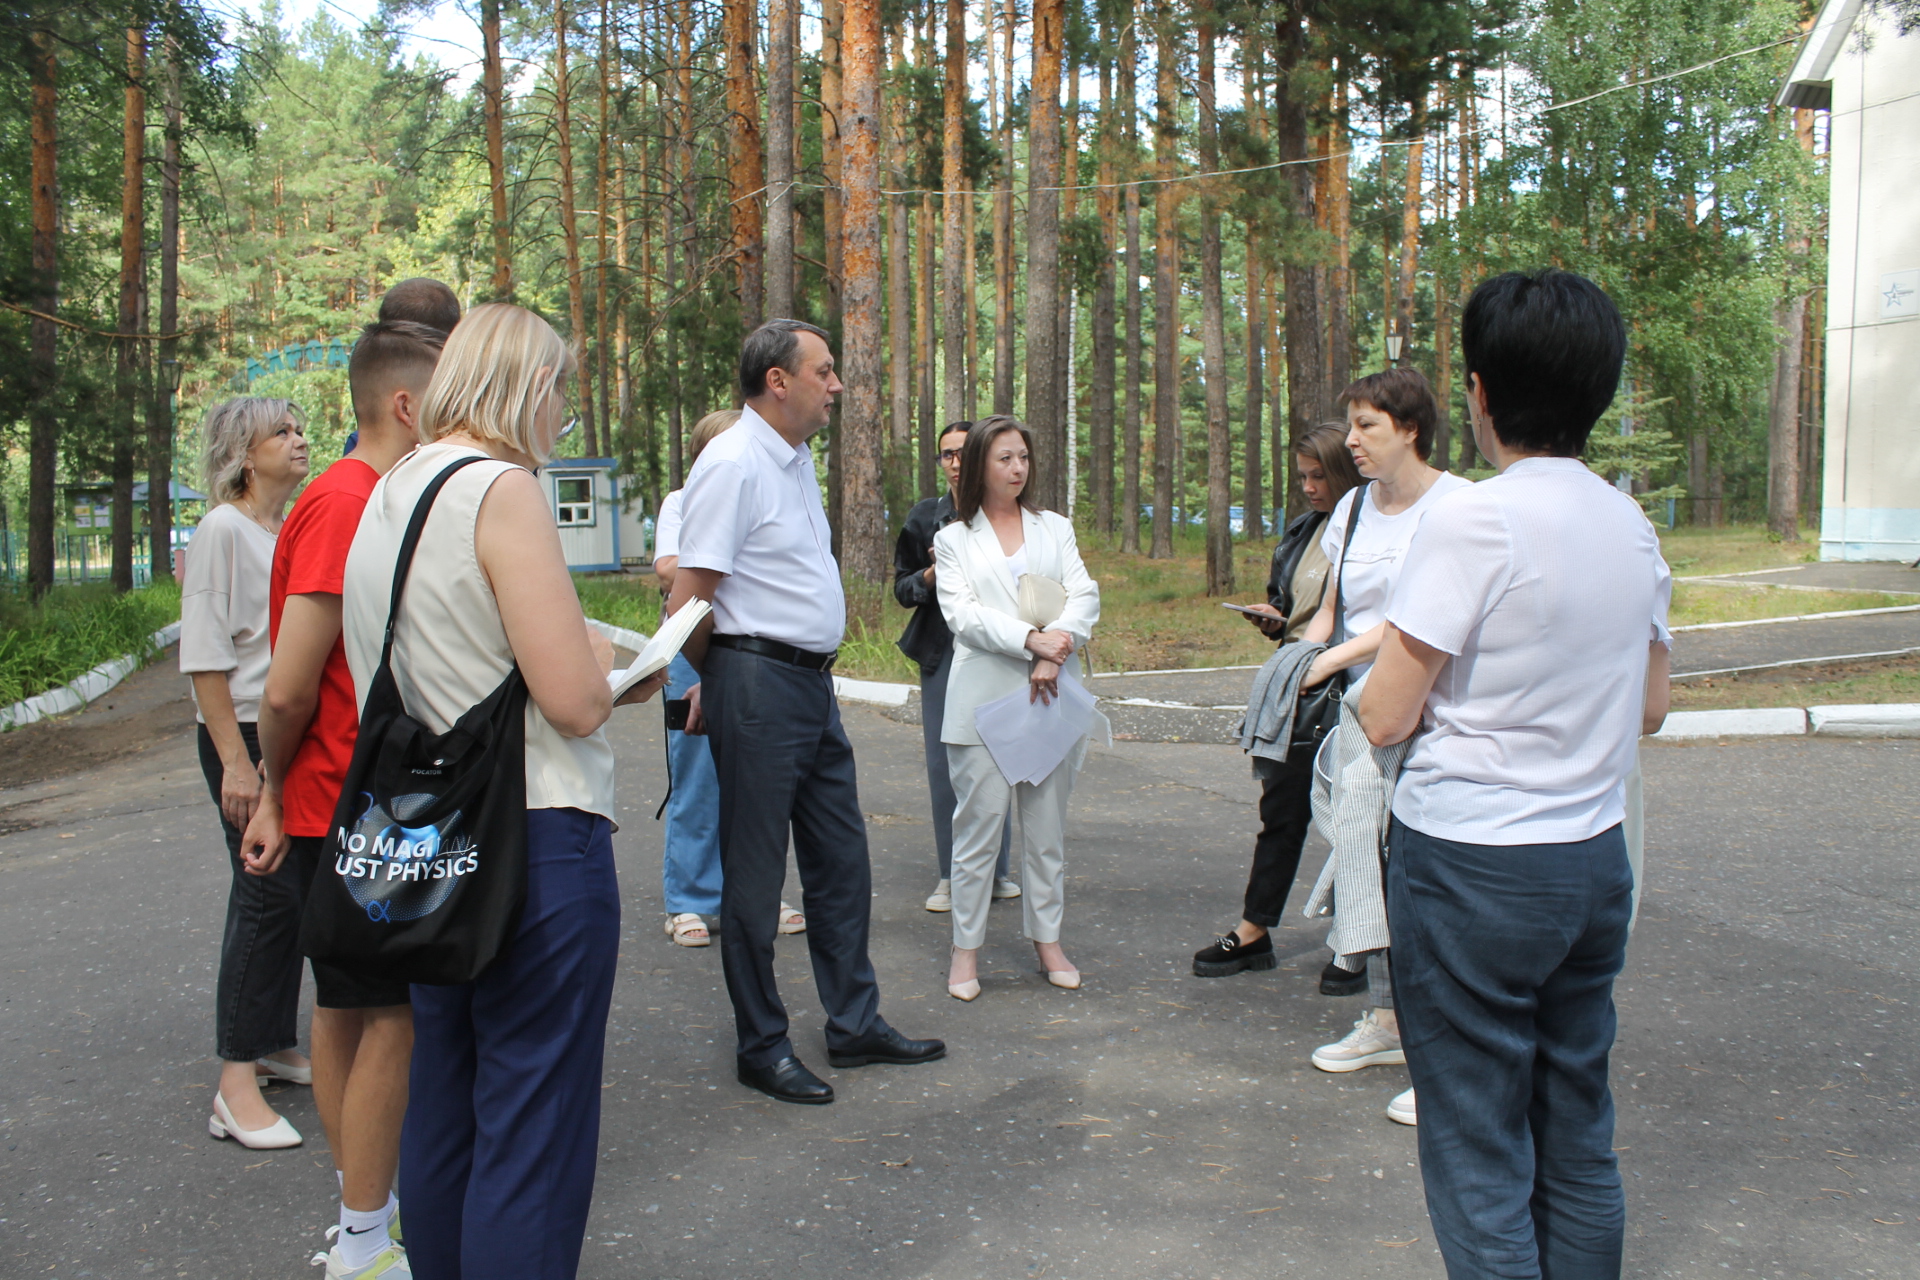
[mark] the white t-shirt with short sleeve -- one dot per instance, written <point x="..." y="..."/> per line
<point x="1546" y="585"/>
<point x="666" y="530"/>
<point x="1373" y="565"/>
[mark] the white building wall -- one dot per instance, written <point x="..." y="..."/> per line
<point x="1871" y="498"/>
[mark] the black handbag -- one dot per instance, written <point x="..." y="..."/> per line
<point x="425" y="872"/>
<point x="1318" y="711"/>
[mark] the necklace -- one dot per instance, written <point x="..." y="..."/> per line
<point x="254" y="516"/>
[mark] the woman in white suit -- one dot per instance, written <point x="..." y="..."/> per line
<point x="998" y="535"/>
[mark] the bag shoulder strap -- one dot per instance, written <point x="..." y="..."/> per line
<point x="1340" y="570"/>
<point x="403" y="562"/>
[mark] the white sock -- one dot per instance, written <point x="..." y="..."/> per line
<point x="362" y="1235"/>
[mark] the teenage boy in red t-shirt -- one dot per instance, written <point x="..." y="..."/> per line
<point x="362" y="1023"/>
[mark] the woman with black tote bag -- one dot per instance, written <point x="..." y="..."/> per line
<point x="502" y="1130"/>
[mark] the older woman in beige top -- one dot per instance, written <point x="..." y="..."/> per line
<point x="498" y="1150"/>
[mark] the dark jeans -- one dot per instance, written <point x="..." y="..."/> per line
<point x="785" y="765"/>
<point x="1286" y="810"/>
<point x="502" y="1136"/>
<point x="933" y="710"/>
<point x="257" y="996"/>
<point x="1504" y="958"/>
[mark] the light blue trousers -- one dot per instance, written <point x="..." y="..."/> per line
<point x="690" y="876"/>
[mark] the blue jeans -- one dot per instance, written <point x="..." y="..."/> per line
<point x="502" y="1134"/>
<point x="1504" y="958"/>
<point x="690" y="874"/>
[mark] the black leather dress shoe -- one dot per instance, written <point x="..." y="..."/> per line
<point x="886" y="1045"/>
<point x="788" y="1080"/>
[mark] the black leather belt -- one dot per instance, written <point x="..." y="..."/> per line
<point x="777" y="651"/>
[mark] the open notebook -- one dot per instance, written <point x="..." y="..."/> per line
<point x="659" y="652"/>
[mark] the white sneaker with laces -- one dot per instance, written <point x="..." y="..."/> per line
<point x="1401" y="1110"/>
<point x="941" y="899"/>
<point x="389" y="1264"/>
<point x="1368" y="1045"/>
<point x="1006" y="887"/>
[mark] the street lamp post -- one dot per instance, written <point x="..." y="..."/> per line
<point x="160" y="504"/>
<point x="1394" y="343"/>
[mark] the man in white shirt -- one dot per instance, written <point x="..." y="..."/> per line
<point x="754" y="542"/>
<point x="1527" y="638"/>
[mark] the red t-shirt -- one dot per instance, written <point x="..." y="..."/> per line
<point x="311" y="558"/>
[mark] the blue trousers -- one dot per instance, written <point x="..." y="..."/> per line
<point x="786" y="768"/>
<point x="1504" y="958"/>
<point x="690" y="875"/>
<point x="502" y="1132"/>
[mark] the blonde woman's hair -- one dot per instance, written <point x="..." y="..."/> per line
<point x="229" y="433"/>
<point x="497" y="368"/>
<point x="707" y="428"/>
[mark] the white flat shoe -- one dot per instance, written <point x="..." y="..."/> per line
<point x="1066" y="979"/>
<point x="1402" y="1109"/>
<point x="1005" y="887"/>
<point x="968" y="990"/>
<point x="941" y="899"/>
<point x="284" y="1071"/>
<point x="279" y="1134"/>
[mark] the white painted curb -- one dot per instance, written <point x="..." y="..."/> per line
<point x="1888" y="720"/>
<point x="79" y="692"/>
<point x="1752" y="723"/>
<point x="876" y="692"/>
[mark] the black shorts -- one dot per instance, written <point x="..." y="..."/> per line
<point x="333" y="986"/>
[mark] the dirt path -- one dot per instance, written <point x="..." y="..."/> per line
<point x="149" y="707"/>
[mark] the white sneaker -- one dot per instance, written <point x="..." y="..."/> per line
<point x="1401" y="1111"/>
<point x="941" y="899"/>
<point x="1006" y="887"/>
<point x="1368" y="1045"/>
<point x="388" y="1264"/>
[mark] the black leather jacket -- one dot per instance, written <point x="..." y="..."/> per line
<point x="926" y="640"/>
<point x="1299" y="535"/>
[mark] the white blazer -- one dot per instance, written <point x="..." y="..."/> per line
<point x="980" y="600"/>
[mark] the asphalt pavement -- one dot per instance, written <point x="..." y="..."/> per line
<point x="1152" y="1126"/>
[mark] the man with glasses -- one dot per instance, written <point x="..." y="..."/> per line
<point x="928" y="642"/>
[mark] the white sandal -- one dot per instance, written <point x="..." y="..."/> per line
<point x="688" y="929"/>
<point x="791" y="919"/>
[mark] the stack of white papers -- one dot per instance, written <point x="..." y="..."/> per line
<point x="1028" y="739"/>
<point x="666" y="642"/>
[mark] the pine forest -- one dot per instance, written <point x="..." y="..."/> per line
<point x="1165" y="234"/>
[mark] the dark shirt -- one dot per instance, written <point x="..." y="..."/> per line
<point x="1304" y="529"/>
<point x="926" y="640"/>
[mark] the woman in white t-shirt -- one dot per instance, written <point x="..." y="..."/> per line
<point x="1391" y="419"/>
<point x="255" y="456"/>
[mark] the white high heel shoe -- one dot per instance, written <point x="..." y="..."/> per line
<point x="276" y="1070"/>
<point x="968" y="990"/>
<point x="275" y="1136"/>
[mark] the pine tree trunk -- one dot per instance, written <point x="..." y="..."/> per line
<point x="954" y="285"/>
<point x="570" y="221"/>
<point x="1307" y="392"/>
<point x="864" y="537"/>
<point x="1253" y="493"/>
<point x="833" y="235"/>
<point x="1068" y="309"/>
<point x="43" y="431"/>
<point x="493" y="108"/>
<point x="928" y="354"/>
<point x="903" y="291"/>
<point x="1100" y="378"/>
<point x="1130" y="292"/>
<point x="780" y="133"/>
<point x="160" y="416"/>
<point x="1166" y="283"/>
<point x="970" y="405"/>
<point x="1410" y="200"/>
<point x="1783" y="427"/>
<point x="133" y="234"/>
<point x="1003" y="335"/>
<point x="603" y="164"/>
<point x="1213" y="327"/>
<point x="746" y="167"/>
<point x="679" y="235"/>
<point x="622" y="335"/>
<point x="1043" y="255"/>
<point x="1340" y="278"/>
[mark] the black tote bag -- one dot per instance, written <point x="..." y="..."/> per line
<point x="1318" y="711"/>
<point x="425" y="869"/>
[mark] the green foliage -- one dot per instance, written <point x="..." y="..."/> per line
<point x="73" y="630"/>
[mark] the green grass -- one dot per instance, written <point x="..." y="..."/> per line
<point x="1867" y="682"/>
<point x="1694" y="552"/>
<point x="44" y="645"/>
<point x="630" y="600"/>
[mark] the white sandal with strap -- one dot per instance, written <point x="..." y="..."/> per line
<point x="791" y="919"/>
<point x="688" y="929"/>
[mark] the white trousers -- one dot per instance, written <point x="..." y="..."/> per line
<point x="983" y="799"/>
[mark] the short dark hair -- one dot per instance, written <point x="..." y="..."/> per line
<point x="1403" y="395"/>
<point x="769" y="347"/>
<point x="387" y="349"/>
<point x="971" y="492"/>
<point x="422" y="301"/>
<point x="1548" y="346"/>
<point x="964" y="424"/>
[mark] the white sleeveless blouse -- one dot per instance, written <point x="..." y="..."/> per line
<point x="449" y="648"/>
